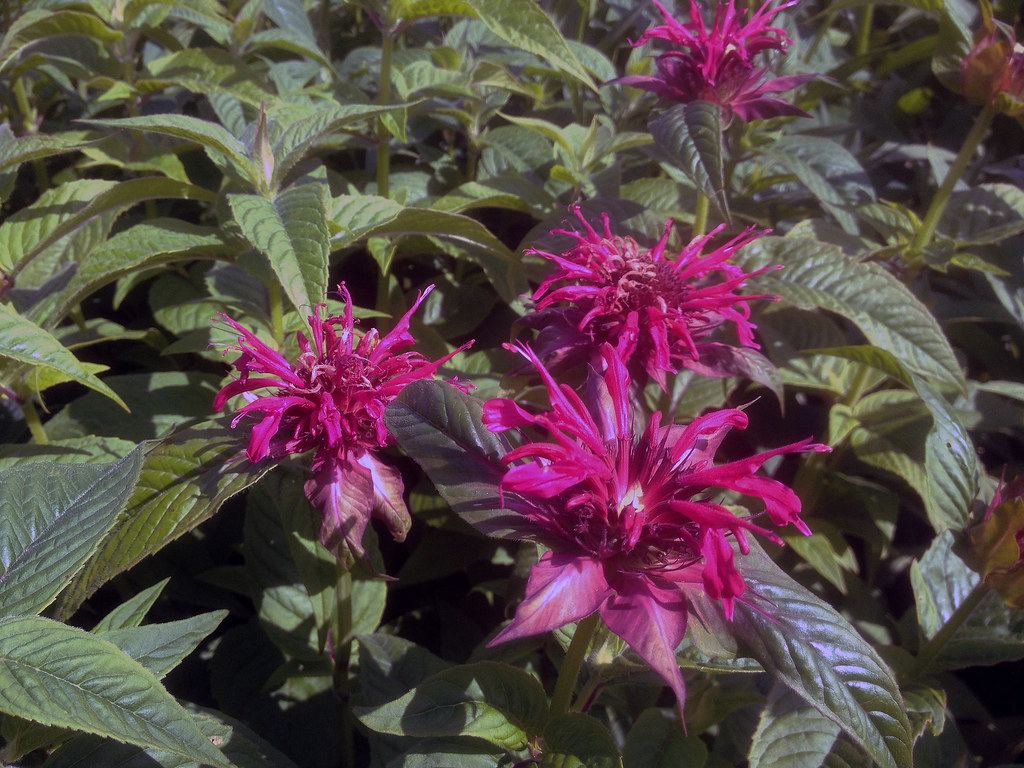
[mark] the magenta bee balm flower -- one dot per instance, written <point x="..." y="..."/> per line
<point x="630" y="518"/>
<point x="659" y="312"/>
<point x="331" y="401"/>
<point x="718" y="64"/>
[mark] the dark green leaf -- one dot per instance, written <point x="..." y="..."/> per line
<point x="162" y="647"/>
<point x="791" y="733"/>
<point x="576" y="740"/>
<point x="691" y="135"/>
<point x="657" y="740"/>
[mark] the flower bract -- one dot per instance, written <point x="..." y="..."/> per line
<point x="659" y="311"/>
<point x="630" y="517"/>
<point x="331" y="401"/>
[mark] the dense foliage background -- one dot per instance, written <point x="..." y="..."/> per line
<point x="164" y="601"/>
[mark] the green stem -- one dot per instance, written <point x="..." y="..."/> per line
<point x="571" y="665"/>
<point x="276" y="313"/>
<point x="867" y="19"/>
<point x="35" y="425"/>
<point x="935" y="646"/>
<point x="387" y="51"/>
<point x="700" y="215"/>
<point x="927" y="230"/>
<point x="342" y="651"/>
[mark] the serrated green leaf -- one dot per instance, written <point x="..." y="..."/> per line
<point x="113" y="199"/>
<point x="987" y="213"/>
<point x="523" y="24"/>
<point x="656" y="740"/>
<point x="132" y="611"/>
<point x="441" y="427"/>
<point x="210" y="136"/>
<point x="951" y="464"/>
<point x="291" y="231"/>
<point x="389" y="666"/>
<point x="52" y="518"/>
<point x="809" y="647"/>
<point x="820" y="275"/>
<point x="66" y="677"/>
<point x="25" y="343"/>
<point x="15" y="150"/>
<point x="299" y="138"/>
<point x="829" y="171"/>
<point x="185" y="478"/>
<point x="205" y="70"/>
<point x="499" y="264"/>
<point x="32" y="26"/>
<point x="157" y="241"/>
<point x="691" y="135"/>
<point x="161" y="647"/>
<point x="791" y="733"/>
<point x="494" y="702"/>
<point x="576" y="740"/>
<point x="942" y="582"/>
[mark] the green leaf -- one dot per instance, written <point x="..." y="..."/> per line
<point x="62" y="676"/>
<point x="157" y="241"/>
<point x="52" y="518"/>
<point x="791" y="733"/>
<point x="942" y="582"/>
<point x="32" y="26"/>
<point x="15" y="150"/>
<point x="691" y="135"/>
<point x="132" y="611"/>
<point x="295" y="620"/>
<point x="291" y="231"/>
<point x="185" y="478"/>
<point x="390" y="666"/>
<point x="829" y="171"/>
<point x="656" y="740"/>
<point x="211" y="136"/>
<point x="950" y="462"/>
<point x="523" y="24"/>
<point x="298" y="139"/>
<point x="987" y="213"/>
<point x="441" y="427"/>
<point x="576" y="740"/>
<point x="820" y="275"/>
<point x="809" y="647"/>
<point x="113" y="199"/>
<point x="494" y="702"/>
<point x="204" y="71"/>
<point x="161" y="647"/>
<point x="238" y="743"/>
<point x="26" y="343"/>
<point x="495" y="259"/>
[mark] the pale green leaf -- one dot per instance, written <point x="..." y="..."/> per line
<point x="161" y="647"/>
<point x="132" y="611"/>
<point x="791" y="733"/>
<point x="291" y="231"/>
<point x="24" y="342"/>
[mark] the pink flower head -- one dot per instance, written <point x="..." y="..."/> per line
<point x="629" y="519"/>
<point x="718" y="65"/>
<point x="331" y="401"/>
<point x="657" y="311"/>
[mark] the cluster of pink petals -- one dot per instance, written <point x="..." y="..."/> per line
<point x="718" y="64"/>
<point x="993" y="72"/>
<point x="658" y="312"/>
<point x="331" y="401"/>
<point x="629" y="518"/>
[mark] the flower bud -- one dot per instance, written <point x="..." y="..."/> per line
<point x="995" y="548"/>
<point x="993" y="72"/>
